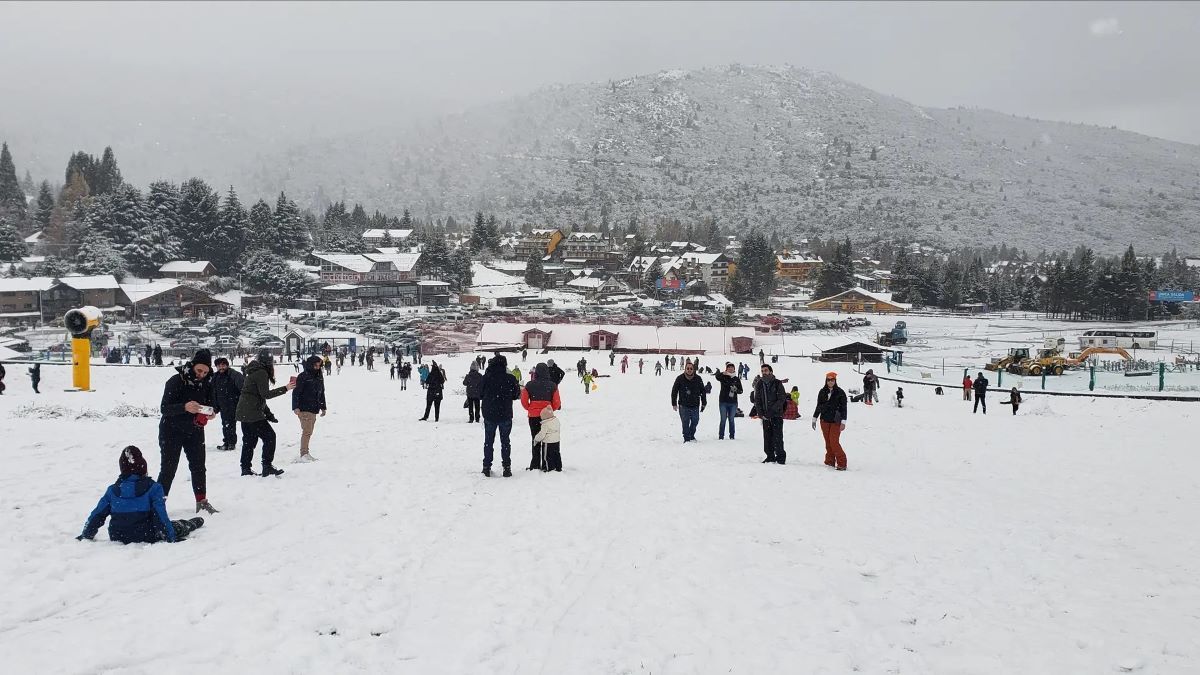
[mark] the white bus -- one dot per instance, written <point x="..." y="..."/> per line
<point x="1119" y="337"/>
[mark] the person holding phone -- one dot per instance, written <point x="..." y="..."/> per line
<point x="308" y="400"/>
<point x="187" y="394"/>
<point x="256" y="417"/>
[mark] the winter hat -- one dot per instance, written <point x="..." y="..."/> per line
<point x="203" y="356"/>
<point x="221" y="360"/>
<point x="547" y="412"/>
<point x="475" y="366"/>
<point x="313" y="360"/>
<point x="831" y="376"/>
<point x="264" y="357"/>
<point x="132" y="462"/>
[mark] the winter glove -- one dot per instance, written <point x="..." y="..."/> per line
<point x="814" y="424"/>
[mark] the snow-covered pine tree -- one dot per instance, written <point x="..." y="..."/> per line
<point x="228" y="240"/>
<point x="198" y="216"/>
<point x="479" y="234"/>
<point x="12" y="246"/>
<point x="45" y="205"/>
<point x="108" y="175"/>
<point x="98" y="255"/>
<point x="459" y="266"/>
<point x="292" y="237"/>
<point x="535" y="273"/>
<point x="12" y="197"/>
<point x="261" y="233"/>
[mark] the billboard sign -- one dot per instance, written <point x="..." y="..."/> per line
<point x="668" y="284"/>
<point x="1172" y="296"/>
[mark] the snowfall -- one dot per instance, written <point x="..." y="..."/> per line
<point x="1062" y="540"/>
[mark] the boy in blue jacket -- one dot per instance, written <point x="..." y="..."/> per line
<point x="137" y="507"/>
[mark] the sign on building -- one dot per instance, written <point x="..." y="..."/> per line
<point x="1172" y="296"/>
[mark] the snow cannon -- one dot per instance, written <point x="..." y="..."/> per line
<point x="80" y="324"/>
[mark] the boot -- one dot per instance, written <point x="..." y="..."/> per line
<point x="269" y="470"/>
<point x="487" y="471"/>
<point x="203" y="505"/>
<point x="769" y="460"/>
<point x="507" y="472"/>
<point x="247" y="471"/>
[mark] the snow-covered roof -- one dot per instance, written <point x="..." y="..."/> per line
<point x="34" y="238"/>
<point x="350" y="261"/>
<point x="799" y="259"/>
<point x="97" y="282"/>
<point x="878" y="297"/>
<point x="395" y="234"/>
<point x="22" y="285"/>
<point x="33" y="260"/>
<point x="863" y="277"/>
<point x="543" y="232"/>
<point x="403" y="262"/>
<point x="428" y="282"/>
<point x="340" y="287"/>
<point x="586" y="282"/>
<point x="139" y="292"/>
<point x="586" y="236"/>
<point x="185" y="267"/>
<point x="701" y="258"/>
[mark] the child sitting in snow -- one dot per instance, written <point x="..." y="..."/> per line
<point x="548" y="440"/>
<point x="137" y="507"/>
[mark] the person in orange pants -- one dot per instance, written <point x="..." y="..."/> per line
<point x="831" y="414"/>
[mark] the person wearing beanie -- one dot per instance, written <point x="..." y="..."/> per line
<point x="548" y="436"/>
<point x="256" y="417"/>
<point x="474" y="385"/>
<point x="227" y="389"/>
<point x="137" y="506"/>
<point x="498" y="391"/>
<point x="187" y="405"/>
<point x="308" y="400"/>
<point x="770" y="400"/>
<point x="831" y="414"/>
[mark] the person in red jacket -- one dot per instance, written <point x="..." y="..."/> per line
<point x="967" y="384"/>
<point x="539" y="392"/>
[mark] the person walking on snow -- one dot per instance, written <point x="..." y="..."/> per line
<point x="524" y="353"/>
<point x="870" y="388"/>
<point x="498" y="391"/>
<point x="556" y="373"/>
<point x="1014" y="399"/>
<point x="612" y="359"/>
<point x="392" y="372"/>
<point x="227" y="386"/>
<point x="727" y="400"/>
<point x="181" y="428"/>
<point x="435" y="381"/>
<point x="624" y="363"/>
<point x="137" y="506"/>
<point x="516" y="372"/>
<point x="256" y="417"/>
<point x="474" y="384"/>
<point x="770" y="399"/>
<point x="405" y="374"/>
<point x="35" y="376"/>
<point x="641" y="364"/>
<point x="689" y="400"/>
<point x="548" y="437"/>
<point x="540" y="393"/>
<point x="831" y="414"/>
<point x="658" y="368"/>
<point x="587" y="382"/>
<point x="308" y="400"/>
<point x="980" y="386"/>
<point x="423" y="373"/>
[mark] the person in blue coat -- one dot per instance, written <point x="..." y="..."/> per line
<point x="137" y="507"/>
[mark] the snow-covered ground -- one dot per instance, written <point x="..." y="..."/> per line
<point x="1059" y="541"/>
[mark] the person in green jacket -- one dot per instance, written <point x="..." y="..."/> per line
<point x="516" y="372"/>
<point x="256" y="417"/>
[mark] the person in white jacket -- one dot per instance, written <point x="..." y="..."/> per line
<point x="547" y="440"/>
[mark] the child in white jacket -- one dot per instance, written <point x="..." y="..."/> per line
<point x="547" y="439"/>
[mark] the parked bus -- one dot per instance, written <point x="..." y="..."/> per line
<point x="1119" y="337"/>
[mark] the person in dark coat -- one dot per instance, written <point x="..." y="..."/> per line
<point x="870" y="388"/>
<point x="2" y="374"/>
<point x="539" y="392"/>
<point x="557" y="374"/>
<point x="474" y="384"/>
<point x="227" y="389"/>
<point x="35" y="376"/>
<point x="435" y="382"/>
<point x="731" y="386"/>
<point x="405" y="374"/>
<point x="498" y="391"/>
<point x="256" y="417"/>
<point x="980" y="386"/>
<point x="137" y="506"/>
<point x="308" y="401"/>
<point x="186" y="394"/>
<point x="157" y="355"/>
<point x="1014" y="399"/>
<point x="770" y="399"/>
<point x="831" y="414"/>
<point x="689" y="399"/>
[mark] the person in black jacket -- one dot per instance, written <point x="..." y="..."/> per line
<point x="157" y="355"/>
<point x="181" y="428"/>
<point x="727" y="400"/>
<point x="308" y="400"/>
<point x="689" y="399"/>
<point x="2" y="374"/>
<point x="980" y="386"/>
<point x="474" y="384"/>
<point x="498" y="391"/>
<point x="434" y="384"/>
<point x="405" y="373"/>
<point x="770" y="398"/>
<point x="555" y="372"/>
<point x="227" y="389"/>
<point x="870" y="388"/>
<point x="35" y="376"/>
<point x="1014" y="399"/>
<point x="831" y="413"/>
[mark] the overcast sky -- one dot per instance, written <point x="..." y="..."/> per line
<point x="281" y="71"/>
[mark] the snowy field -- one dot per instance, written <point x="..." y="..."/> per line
<point x="1059" y="541"/>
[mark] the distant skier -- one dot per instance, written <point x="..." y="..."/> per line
<point x="980" y="386"/>
<point x="137" y="506"/>
<point x="831" y="414"/>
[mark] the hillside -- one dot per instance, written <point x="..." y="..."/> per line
<point x="792" y="150"/>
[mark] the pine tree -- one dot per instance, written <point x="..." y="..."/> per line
<point x="45" y="204"/>
<point x="535" y="273"/>
<point x="479" y="234"/>
<point x="27" y="183"/>
<point x="108" y="176"/>
<point x="837" y="274"/>
<point x="228" y="240"/>
<point x="261" y="233"/>
<point x="149" y="251"/>
<point x="494" y="238"/>
<point x="162" y="211"/>
<point x="199" y="216"/>
<point x="652" y="276"/>
<point x="265" y="272"/>
<point x="58" y="233"/>
<point x="459" y="268"/>
<point x="12" y="197"/>
<point x="98" y="255"/>
<point x="435" y="259"/>
<point x="756" y="269"/>
<point x="12" y="246"/>
<point x="293" y="238"/>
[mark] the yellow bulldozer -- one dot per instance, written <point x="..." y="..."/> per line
<point x="1049" y="359"/>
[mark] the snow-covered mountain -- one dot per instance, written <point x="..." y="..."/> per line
<point x="789" y="149"/>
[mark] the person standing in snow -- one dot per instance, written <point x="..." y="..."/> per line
<point x="227" y="386"/>
<point x="870" y="388"/>
<point x="557" y="374"/>
<point x="157" y="355"/>
<point x="137" y="506"/>
<point x="900" y="397"/>
<point x="516" y="373"/>
<point x="641" y="364"/>
<point x="256" y="417"/>
<point x="624" y="363"/>
<point x="771" y="401"/>
<point x="587" y="382"/>
<point x="1014" y="399"/>
<point x="435" y="382"/>
<point x="689" y="400"/>
<point x="658" y="368"/>
<point x="181" y="428"/>
<point x="392" y="372"/>
<point x="548" y="438"/>
<point x="966" y="387"/>
<point x="524" y="354"/>
<point x="498" y="391"/>
<point x="308" y="400"/>
<point x="831" y="414"/>
<point x="404" y="371"/>
<point x="612" y="359"/>
<point x="541" y="392"/>
<point x="474" y="384"/>
<point x="980" y="386"/>
<point x="35" y="376"/>
<point x="727" y="400"/>
<point x="423" y="374"/>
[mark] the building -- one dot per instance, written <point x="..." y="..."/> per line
<point x="591" y="246"/>
<point x="67" y="293"/>
<point x="623" y="338"/>
<point x="379" y="237"/>
<point x="798" y="268"/>
<point x="861" y="301"/>
<point x="21" y="300"/>
<point x="852" y="351"/>
<point x="185" y="269"/>
<point x="595" y="286"/>
<point x="376" y="278"/>
<point x="542" y="242"/>
<point x="167" y="298"/>
<point x="711" y="268"/>
<point x="433" y="293"/>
